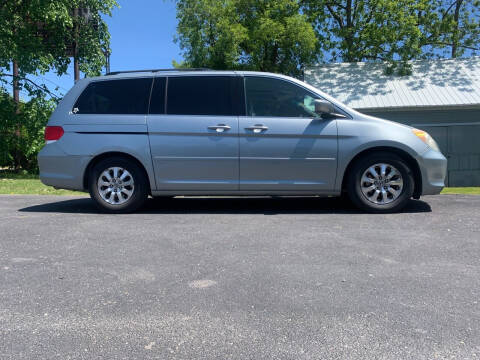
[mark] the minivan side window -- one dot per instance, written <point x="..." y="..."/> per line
<point x="200" y="95"/>
<point x="157" y="100"/>
<point x="125" y="96"/>
<point x="278" y="98"/>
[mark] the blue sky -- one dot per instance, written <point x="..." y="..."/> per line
<point x="142" y="33"/>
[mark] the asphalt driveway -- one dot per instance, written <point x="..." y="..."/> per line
<point x="253" y="278"/>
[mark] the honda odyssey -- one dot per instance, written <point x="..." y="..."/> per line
<point x="129" y="135"/>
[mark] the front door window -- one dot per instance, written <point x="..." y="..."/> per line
<point x="278" y="98"/>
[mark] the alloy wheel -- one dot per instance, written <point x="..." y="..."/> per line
<point x="381" y="183"/>
<point x="115" y="185"/>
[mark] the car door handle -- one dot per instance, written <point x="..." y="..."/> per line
<point x="258" y="128"/>
<point x="219" y="128"/>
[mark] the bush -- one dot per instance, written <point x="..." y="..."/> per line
<point x="22" y="133"/>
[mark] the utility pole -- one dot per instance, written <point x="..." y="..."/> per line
<point x="107" y="61"/>
<point x="455" y="37"/>
<point x="76" y="68"/>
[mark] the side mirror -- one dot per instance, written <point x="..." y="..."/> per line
<point x="325" y="109"/>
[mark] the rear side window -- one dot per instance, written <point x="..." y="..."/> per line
<point x="128" y="96"/>
<point x="278" y="98"/>
<point x="157" y="100"/>
<point x="200" y="95"/>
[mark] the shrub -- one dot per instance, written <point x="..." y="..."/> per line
<point x="22" y="131"/>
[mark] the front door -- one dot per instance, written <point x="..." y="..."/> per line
<point x="283" y="144"/>
<point x="194" y="138"/>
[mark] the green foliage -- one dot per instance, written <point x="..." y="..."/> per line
<point x="245" y="34"/>
<point x="368" y="30"/>
<point x="37" y="34"/>
<point x="394" y="31"/>
<point x="451" y="28"/>
<point x="284" y="35"/>
<point x="22" y="133"/>
<point x="40" y="36"/>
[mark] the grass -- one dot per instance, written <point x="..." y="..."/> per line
<point x="462" y="190"/>
<point x="21" y="184"/>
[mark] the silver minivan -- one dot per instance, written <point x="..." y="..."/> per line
<point x="129" y="135"/>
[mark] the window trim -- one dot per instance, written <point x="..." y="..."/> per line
<point x="165" y="96"/>
<point x="150" y="96"/>
<point x="239" y="91"/>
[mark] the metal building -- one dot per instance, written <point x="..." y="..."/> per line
<point x="441" y="97"/>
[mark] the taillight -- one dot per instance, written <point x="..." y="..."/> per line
<point x="53" y="133"/>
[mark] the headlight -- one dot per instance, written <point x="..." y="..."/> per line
<point x="426" y="138"/>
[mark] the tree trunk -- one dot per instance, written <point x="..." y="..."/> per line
<point x="16" y="98"/>
<point x="16" y="90"/>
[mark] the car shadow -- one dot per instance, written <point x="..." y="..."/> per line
<point x="227" y="205"/>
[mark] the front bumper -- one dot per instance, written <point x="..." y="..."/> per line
<point x="433" y="166"/>
<point x="61" y="170"/>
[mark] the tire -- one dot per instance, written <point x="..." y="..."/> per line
<point x="389" y="191"/>
<point x="125" y="191"/>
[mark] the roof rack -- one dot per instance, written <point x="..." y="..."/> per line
<point x="157" y="70"/>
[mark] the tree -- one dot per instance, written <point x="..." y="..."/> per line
<point x="37" y="36"/>
<point x="19" y="145"/>
<point x="453" y="28"/>
<point x="394" y="31"/>
<point x="40" y="35"/>
<point x="368" y="30"/>
<point x="245" y="34"/>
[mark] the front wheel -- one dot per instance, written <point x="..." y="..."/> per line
<point x="118" y="185"/>
<point x="380" y="183"/>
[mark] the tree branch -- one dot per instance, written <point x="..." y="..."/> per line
<point x="339" y="4"/>
<point x="39" y="87"/>
<point x="451" y="44"/>
<point x="335" y="16"/>
<point x="444" y="13"/>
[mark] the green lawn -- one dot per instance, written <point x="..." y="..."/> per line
<point x="462" y="190"/>
<point x="11" y="183"/>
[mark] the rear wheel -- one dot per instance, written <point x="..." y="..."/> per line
<point x="380" y="183"/>
<point x="118" y="185"/>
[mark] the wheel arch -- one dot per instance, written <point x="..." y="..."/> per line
<point x="109" y="154"/>
<point x="409" y="159"/>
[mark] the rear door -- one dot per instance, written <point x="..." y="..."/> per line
<point x="194" y="134"/>
<point x="283" y="147"/>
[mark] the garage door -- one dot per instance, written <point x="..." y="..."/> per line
<point x="461" y="145"/>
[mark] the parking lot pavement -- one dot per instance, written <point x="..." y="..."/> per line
<point x="229" y="278"/>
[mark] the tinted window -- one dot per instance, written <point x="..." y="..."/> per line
<point x="200" y="95"/>
<point x="129" y="96"/>
<point x="157" y="100"/>
<point x="279" y="98"/>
